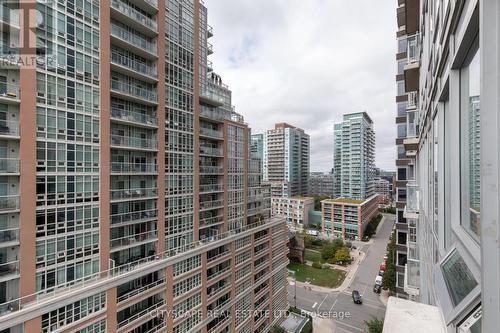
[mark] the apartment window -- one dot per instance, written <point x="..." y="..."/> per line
<point x="471" y="145"/>
<point x="402" y="45"/>
<point x="458" y="277"/>
<point x="402" y="238"/>
<point x="402" y="133"/>
<point x="402" y="109"/>
<point x="401" y="88"/>
<point x="401" y="173"/>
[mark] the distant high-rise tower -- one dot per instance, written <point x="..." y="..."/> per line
<point x="354" y="156"/>
<point x="286" y="158"/>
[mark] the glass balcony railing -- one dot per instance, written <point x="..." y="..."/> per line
<point x="211" y="133"/>
<point x="9" y="165"/>
<point x="133" y="116"/>
<point x="9" y="268"/>
<point x="211" y="188"/>
<point x="153" y="3"/>
<point x="134" y="216"/>
<point x="413" y="49"/>
<point x="133" y="64"/>
<point x="412" y="197"/>
<point x="9" y="235"/>
<point x="134" y="90"/>
<point x="10" y="90"/>
<point x="133" y="39"/>
<point x="133" y="239"/>
<point x="133" y="142"/>
<point x="137" y="193"/>
<point x="215" y="114"/>
<point x="211" y="220"/>
<point x="120" y="167"/>
<point x="9" y="202"/>
<point x="412" y="100"/>
<point x="204" y="205"/>
<point x="134" y="14"/>
<point x="211" y="151"/>
<point x="137" y="291"/>
<point x="208" y="169"/>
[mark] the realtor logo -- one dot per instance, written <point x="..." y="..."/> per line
<point x="27" y="32"/>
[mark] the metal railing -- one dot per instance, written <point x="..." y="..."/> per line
<point x="120" y="167"/>
<point x="134" y="14"/>
<point x="133" y="142"/>
<point x="134" y="90"/>
<point x="211" y="220"/>
<point x="141" y="314"/>
<point x="134" y="216"/>
<point x="9" y="165"/>
<point x="412" y="102"/>
<point x="133" y="193"/>
<point x="9" y="127"/>
<point x="211" y="204"/>
<point x="413" y="48"/>
<point x="412" y="196"/>
<point x="133" y="239"/>
<point x="90" y="280"/>
<point x="133" y="39"/>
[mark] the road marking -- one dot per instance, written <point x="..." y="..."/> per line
<point x="322" y="301"/>
<point x="364" y="291"/>
<point x="314" y="305"/>
<point x="334" y="304"/>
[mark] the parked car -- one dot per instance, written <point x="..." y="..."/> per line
<point x="382" y="266"/>
<point x="356" y="297"/>
<point x="376" y="288"/>
<point x="380" y="273"/>
<point x="378" y="279"/>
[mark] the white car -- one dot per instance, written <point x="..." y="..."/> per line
<point x="378" y="280"/>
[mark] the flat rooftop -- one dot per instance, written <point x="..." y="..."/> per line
<point x="293" y="323"/>
<point x="404" y="316"/>
<point x="344" y="200"/>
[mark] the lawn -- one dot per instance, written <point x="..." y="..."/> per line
<point x="313" y="256"/>
<point x="330" y="278"/>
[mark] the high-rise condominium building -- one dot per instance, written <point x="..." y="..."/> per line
<point x="354" y="157"/>
<point x="128" y="193"/>
<point x="452" y="200"/>
<point x="286" y="157"/>
<point x="321" y="183"/>
<point x="257" y="148"/>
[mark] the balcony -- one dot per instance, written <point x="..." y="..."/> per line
<point x="129" y="40"/>
<point x="132" y="240"/>
<point x="412" y="103"/>
<point x="134" y="194"/>
<point x="9" y="270"/>
<point x="125" y="168"/>
<point x="9" y="237"/>
<point x="411" y="209"/>
<point x="133" y="142"/>
<point x="211" y="151"/>
<point x="411" y="146"/>
<point x="140" y="290"/>
<point x="210" y="31"/>
<point x="211" y="188"/>
<point x="8" y="17"/>
<point x="134" y="18"/>
<point x="135" y="217"/>
<point x="133" y="117"/>
<point x="209" y="221"/>
<point x="211" y="170"/>
<point x="210" y="49"/>
<point x="412" y="279"/>
<point x="9" y="203"/>
<point x="134" y="91"/>
<point x="10" y="93"/>
<point x="211" y="133"/>
<point x="142" y="313"/>
<point x="213" y="204"/>
<point x="412" y="68"/>
<point x="9" y="166"/>
<point x="211" y="98"/>
<point x="133" y="68"/>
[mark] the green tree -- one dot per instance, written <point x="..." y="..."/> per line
<point x="329" y="249"/>
<point x="389" y="279"/>
<point x="375" y="325"/>
<point x="342" y="255"/>
<point x="317" y="201"/>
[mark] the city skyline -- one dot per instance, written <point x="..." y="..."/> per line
<point x="258" y="47"/>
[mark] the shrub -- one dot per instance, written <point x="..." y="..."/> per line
<point x="317" y="265"/>
<point x="342" y="256"/>
<point x="375" y="325"/>
<point x="328" y="250"/>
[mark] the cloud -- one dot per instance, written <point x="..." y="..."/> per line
<point x="307" y="63"/>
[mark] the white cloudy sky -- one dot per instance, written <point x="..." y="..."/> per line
<point x="306" y="62"/>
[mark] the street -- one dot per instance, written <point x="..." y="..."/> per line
<point x="338" y="306"/>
